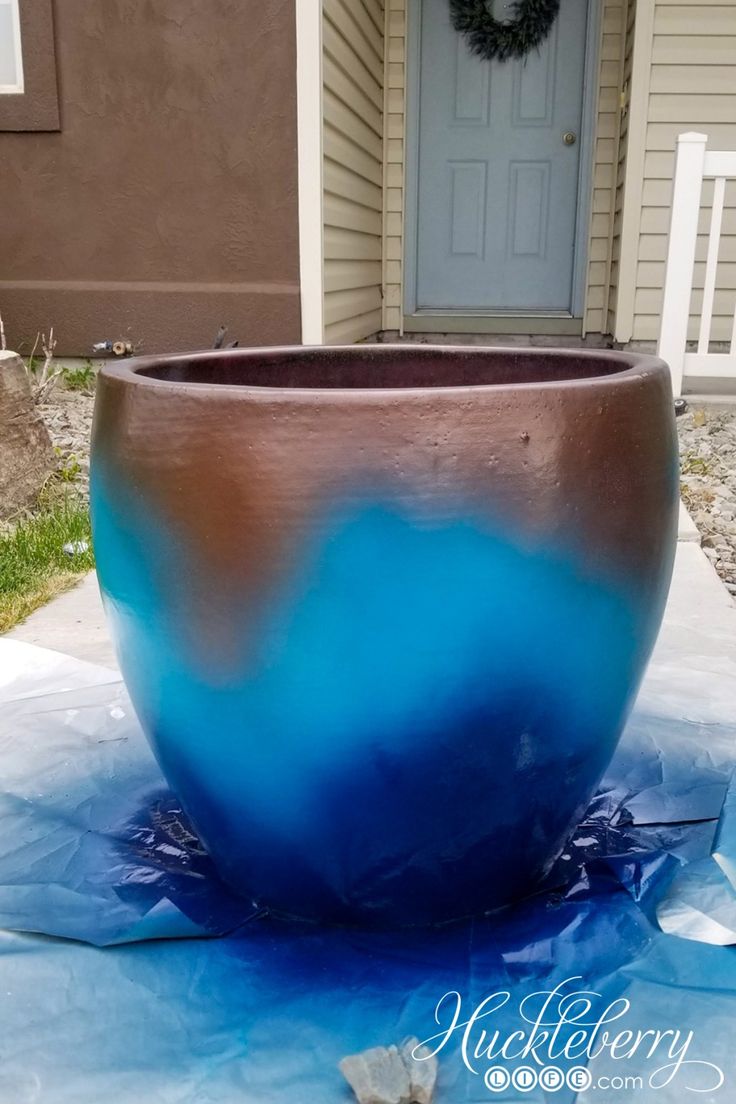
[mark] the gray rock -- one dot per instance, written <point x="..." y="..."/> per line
<point x="422" y="1071"/>
<point x="68" y="417"/>
<point x="392" y="1075"/>
<point x="378" y="1076"/>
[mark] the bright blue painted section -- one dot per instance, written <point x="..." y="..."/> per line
<point x="426" y="713"/>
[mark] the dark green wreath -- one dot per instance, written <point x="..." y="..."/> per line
<point x="495" y="38"/>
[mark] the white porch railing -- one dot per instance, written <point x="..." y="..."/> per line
<point x="693" y="164"/>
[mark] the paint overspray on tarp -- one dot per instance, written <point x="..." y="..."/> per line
<point x="196" y="997"/>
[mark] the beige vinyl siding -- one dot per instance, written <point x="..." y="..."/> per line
<point x="353" y="180"/>
<point x="605" y="165"/>
<point x="692" y="86"/>
<point x="614" y="250"/>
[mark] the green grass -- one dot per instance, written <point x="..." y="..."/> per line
<point x="82" y="378"/>
<point x="692" y="464"/>
<point x="33" y="565"/>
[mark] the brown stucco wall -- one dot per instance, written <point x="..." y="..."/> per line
<point x="167" y="202"/>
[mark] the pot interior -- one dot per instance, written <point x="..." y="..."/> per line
<point x="384" y="366"/>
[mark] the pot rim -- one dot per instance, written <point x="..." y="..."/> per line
<point x="633" y="366"/>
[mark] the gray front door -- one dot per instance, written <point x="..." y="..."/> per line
<point x="498" y="167"/>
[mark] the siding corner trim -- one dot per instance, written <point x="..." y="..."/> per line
<point x="309" y="159"/>
<point x="634" y="169"/>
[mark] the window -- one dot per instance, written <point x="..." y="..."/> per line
<point x="11" y="58"/>
<point x="29" y="99"/>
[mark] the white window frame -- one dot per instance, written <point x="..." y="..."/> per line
<point x="18" y="87"/>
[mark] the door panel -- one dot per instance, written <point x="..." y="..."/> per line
<point x="467" y="208"/>
<point x="497" y="185"/>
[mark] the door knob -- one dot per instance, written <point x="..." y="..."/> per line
<point x="569" y="138"/>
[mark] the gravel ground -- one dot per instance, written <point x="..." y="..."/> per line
<point x="68" y="415"/>
<point x="707" y="454"/>
<point x="708" y="484"/>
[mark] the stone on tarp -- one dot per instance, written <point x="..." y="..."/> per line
<point x="392" y="1075"/>
<point x="421" y="1065"/>
<point x="378" y="1076"/>
<point x="26" y="455"/>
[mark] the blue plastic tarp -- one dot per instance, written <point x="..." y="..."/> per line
<point x="149" y="980"/>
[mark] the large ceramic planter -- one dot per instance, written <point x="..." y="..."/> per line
<point x="383" y="610"/>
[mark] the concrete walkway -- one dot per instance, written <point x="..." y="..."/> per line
<point x="73" y="624"/>
<point x="699" y="603"/>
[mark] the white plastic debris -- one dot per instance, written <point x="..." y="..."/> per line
<point x="75" y="548"/>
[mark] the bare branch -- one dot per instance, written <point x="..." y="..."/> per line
<point x="43" y="380"/>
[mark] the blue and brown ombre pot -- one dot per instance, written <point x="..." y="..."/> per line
<point x="383" y="610"/>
